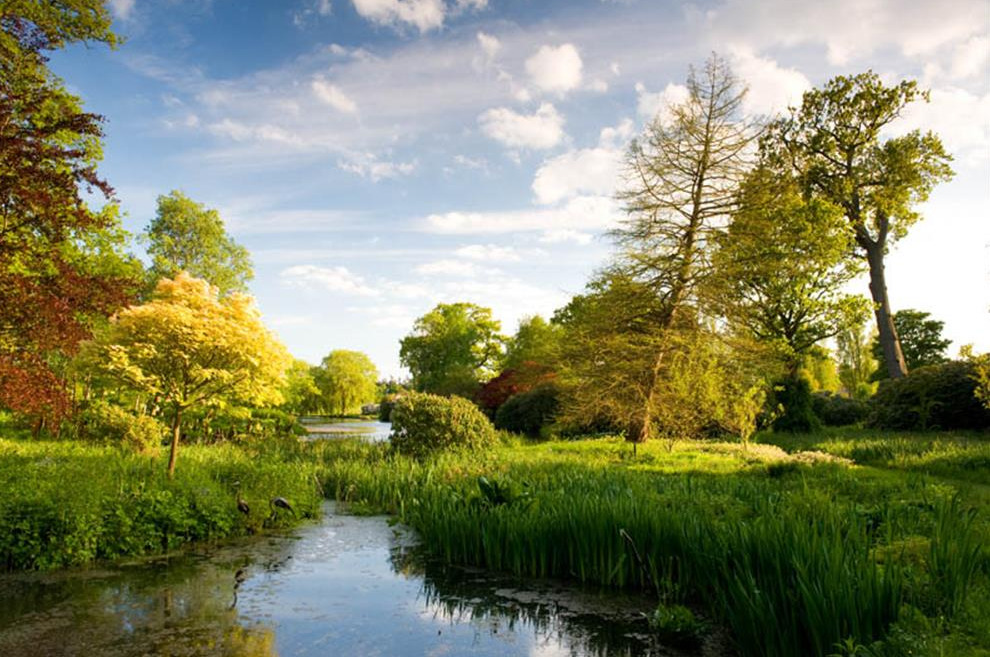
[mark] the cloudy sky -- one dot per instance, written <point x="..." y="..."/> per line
<point x="380" y="156"/>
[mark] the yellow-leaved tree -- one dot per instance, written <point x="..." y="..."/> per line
<point x="189" y="347"/>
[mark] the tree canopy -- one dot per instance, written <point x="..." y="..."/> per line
<point x="188" y="346"/>
<point x="187" y="236"/>
<point x="834" y="143"/>
<point x="348" y="380"/>
<point x="452" y="349"/>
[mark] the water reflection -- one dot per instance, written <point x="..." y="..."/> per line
<point x="350" y="586"/>
<point x="327" y="428"/>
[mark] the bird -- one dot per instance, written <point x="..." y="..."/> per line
<point x="239" y="578"/>
<point x="242" y="504"/>
<point x="277" y="503"/>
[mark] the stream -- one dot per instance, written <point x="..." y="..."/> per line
<point x="346" y="585"/>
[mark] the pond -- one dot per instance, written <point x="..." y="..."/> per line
<point x="330" y="428"/>
<point x="347" y="585"/>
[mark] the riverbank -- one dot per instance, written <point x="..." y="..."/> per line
<point x="827" y="545"/>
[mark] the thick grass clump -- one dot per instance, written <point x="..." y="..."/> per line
<point x="812" y="547"/>
<point x="70" y="503"/>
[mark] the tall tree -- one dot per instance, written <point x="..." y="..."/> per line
<point x="781" y="268"/>
<point x="349" y="380"/>
<point x="536" y="341"/>
<point x="856" y="363"/>
<point x="452" y="349"/>
<point x="921" y="341"/>
<point x="52" y="280"/>
<point x="187" y="236"/>
<point x="682" y="180"/>
<point x="834" y="142"/>
<point x="190" y="347"/>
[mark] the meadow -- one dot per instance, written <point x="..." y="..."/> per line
<point x="845" y="542"/>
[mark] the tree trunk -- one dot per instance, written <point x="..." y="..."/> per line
<point x="176" y="426"/>
<point x="893" y="357"/>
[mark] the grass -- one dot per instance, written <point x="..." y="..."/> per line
<point x="844" y="542"/>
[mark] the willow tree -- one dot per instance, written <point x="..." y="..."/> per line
<point x="190" y="347"/>
<point x="682" y="177"/>
<point x="349" y="379"/>
<point x="834" y="142"/>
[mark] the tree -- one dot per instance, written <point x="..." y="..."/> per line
<point x="299" y="392"/>
<point x="186" y="236"/>
<point x="856" y="363"/>
<point x="452" y="349"/>
<point x="682" y="179"/>
<point x="921" y="341"/>
<point x="189" y="347"/>
<point x="52" y="283"/>
<point x="536" y="341"/>
<point x="349" y="380"/>
<point x="781" y="267"/>
<point x="834" y="144"/>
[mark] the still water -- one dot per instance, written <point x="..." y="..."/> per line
<point x="328" y="428"/>
<point x="345" y="586"/>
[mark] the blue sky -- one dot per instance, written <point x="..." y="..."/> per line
<point x="380" y="156"/>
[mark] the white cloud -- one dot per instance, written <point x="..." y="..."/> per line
<point x="424" y="15"/>
<point x="333" y="279"/>
<point x="586" y="171"/>
<point x="772" y="89"/>
<point x="653" y="104"/>
<point x="367" y="165"/>
<point x="555" y="70"/>
<point x="562" y="235"/>
<point x="849" y="29"/>
<point x="448" y="267"/>
<point x="541" y="130"/>
<point x="581" y="213"/>
<point x="333" y="96"/>
<point x="490" y="46"/>
<point x="958" y="116"/>
<point x="122" y="8"/>
<point x="971" y="57"/>
<point x="489" y="252"/>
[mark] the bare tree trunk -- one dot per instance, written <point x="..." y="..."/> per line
<point x="893" y="357"/>
<point x="176" y="427"/>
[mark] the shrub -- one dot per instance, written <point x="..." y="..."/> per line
<point x="793" y="397"/>
<point x="934" y="397"/>
<point x="424" y="423"/>
<point x="528" y="412"/>
<point x="385" y="407"/>
<point x="100" y="421"/>
<point x="838" y="411"/>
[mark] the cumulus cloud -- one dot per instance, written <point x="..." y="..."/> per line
<point x="958" y="116"/>
<point x="772" y="89"/>
<point x="563" y="235"/>
<point x="555" y="69"/>
<point x="651" y="104"/>
<point x="424" y="15"/>
<point x="971" y="57"/>
<point x="585" y="171"/>
<point x="332" y="95"/>
<point x="540" y="130"/>
<point x="333" y="279"/>
<point x="490" y="46"/>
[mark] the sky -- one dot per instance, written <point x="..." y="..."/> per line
<point x="378" y="157"/>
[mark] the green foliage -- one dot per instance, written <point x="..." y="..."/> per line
<point x="299" y="391"/>
<point x="837" y="411"/>
<point x="856" y="362"/>
<point x="793" y="398"/>
<point x="100" y="421"/>
<point x="424" y="424"/>
<point x="452" y="349"/>
<point x="528" y="412"/>
<point x="677" y="626"/>
<point x="186" y="236"/>
<point x="981" y="374"/>
<point x="933" y="397"/>
<point x="346" y="380"/>
<point x="535" y="341"/>
<point x="921" y="341"/>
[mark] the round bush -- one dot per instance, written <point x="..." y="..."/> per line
<point x="528" y="412"/>
<point x="423" y="424"/>
<point x="934" y="397"/>
<point x="838" y="411"/>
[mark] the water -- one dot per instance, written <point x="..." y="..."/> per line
<point x="331" y="428"/>
<point x="346" y="586"/>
